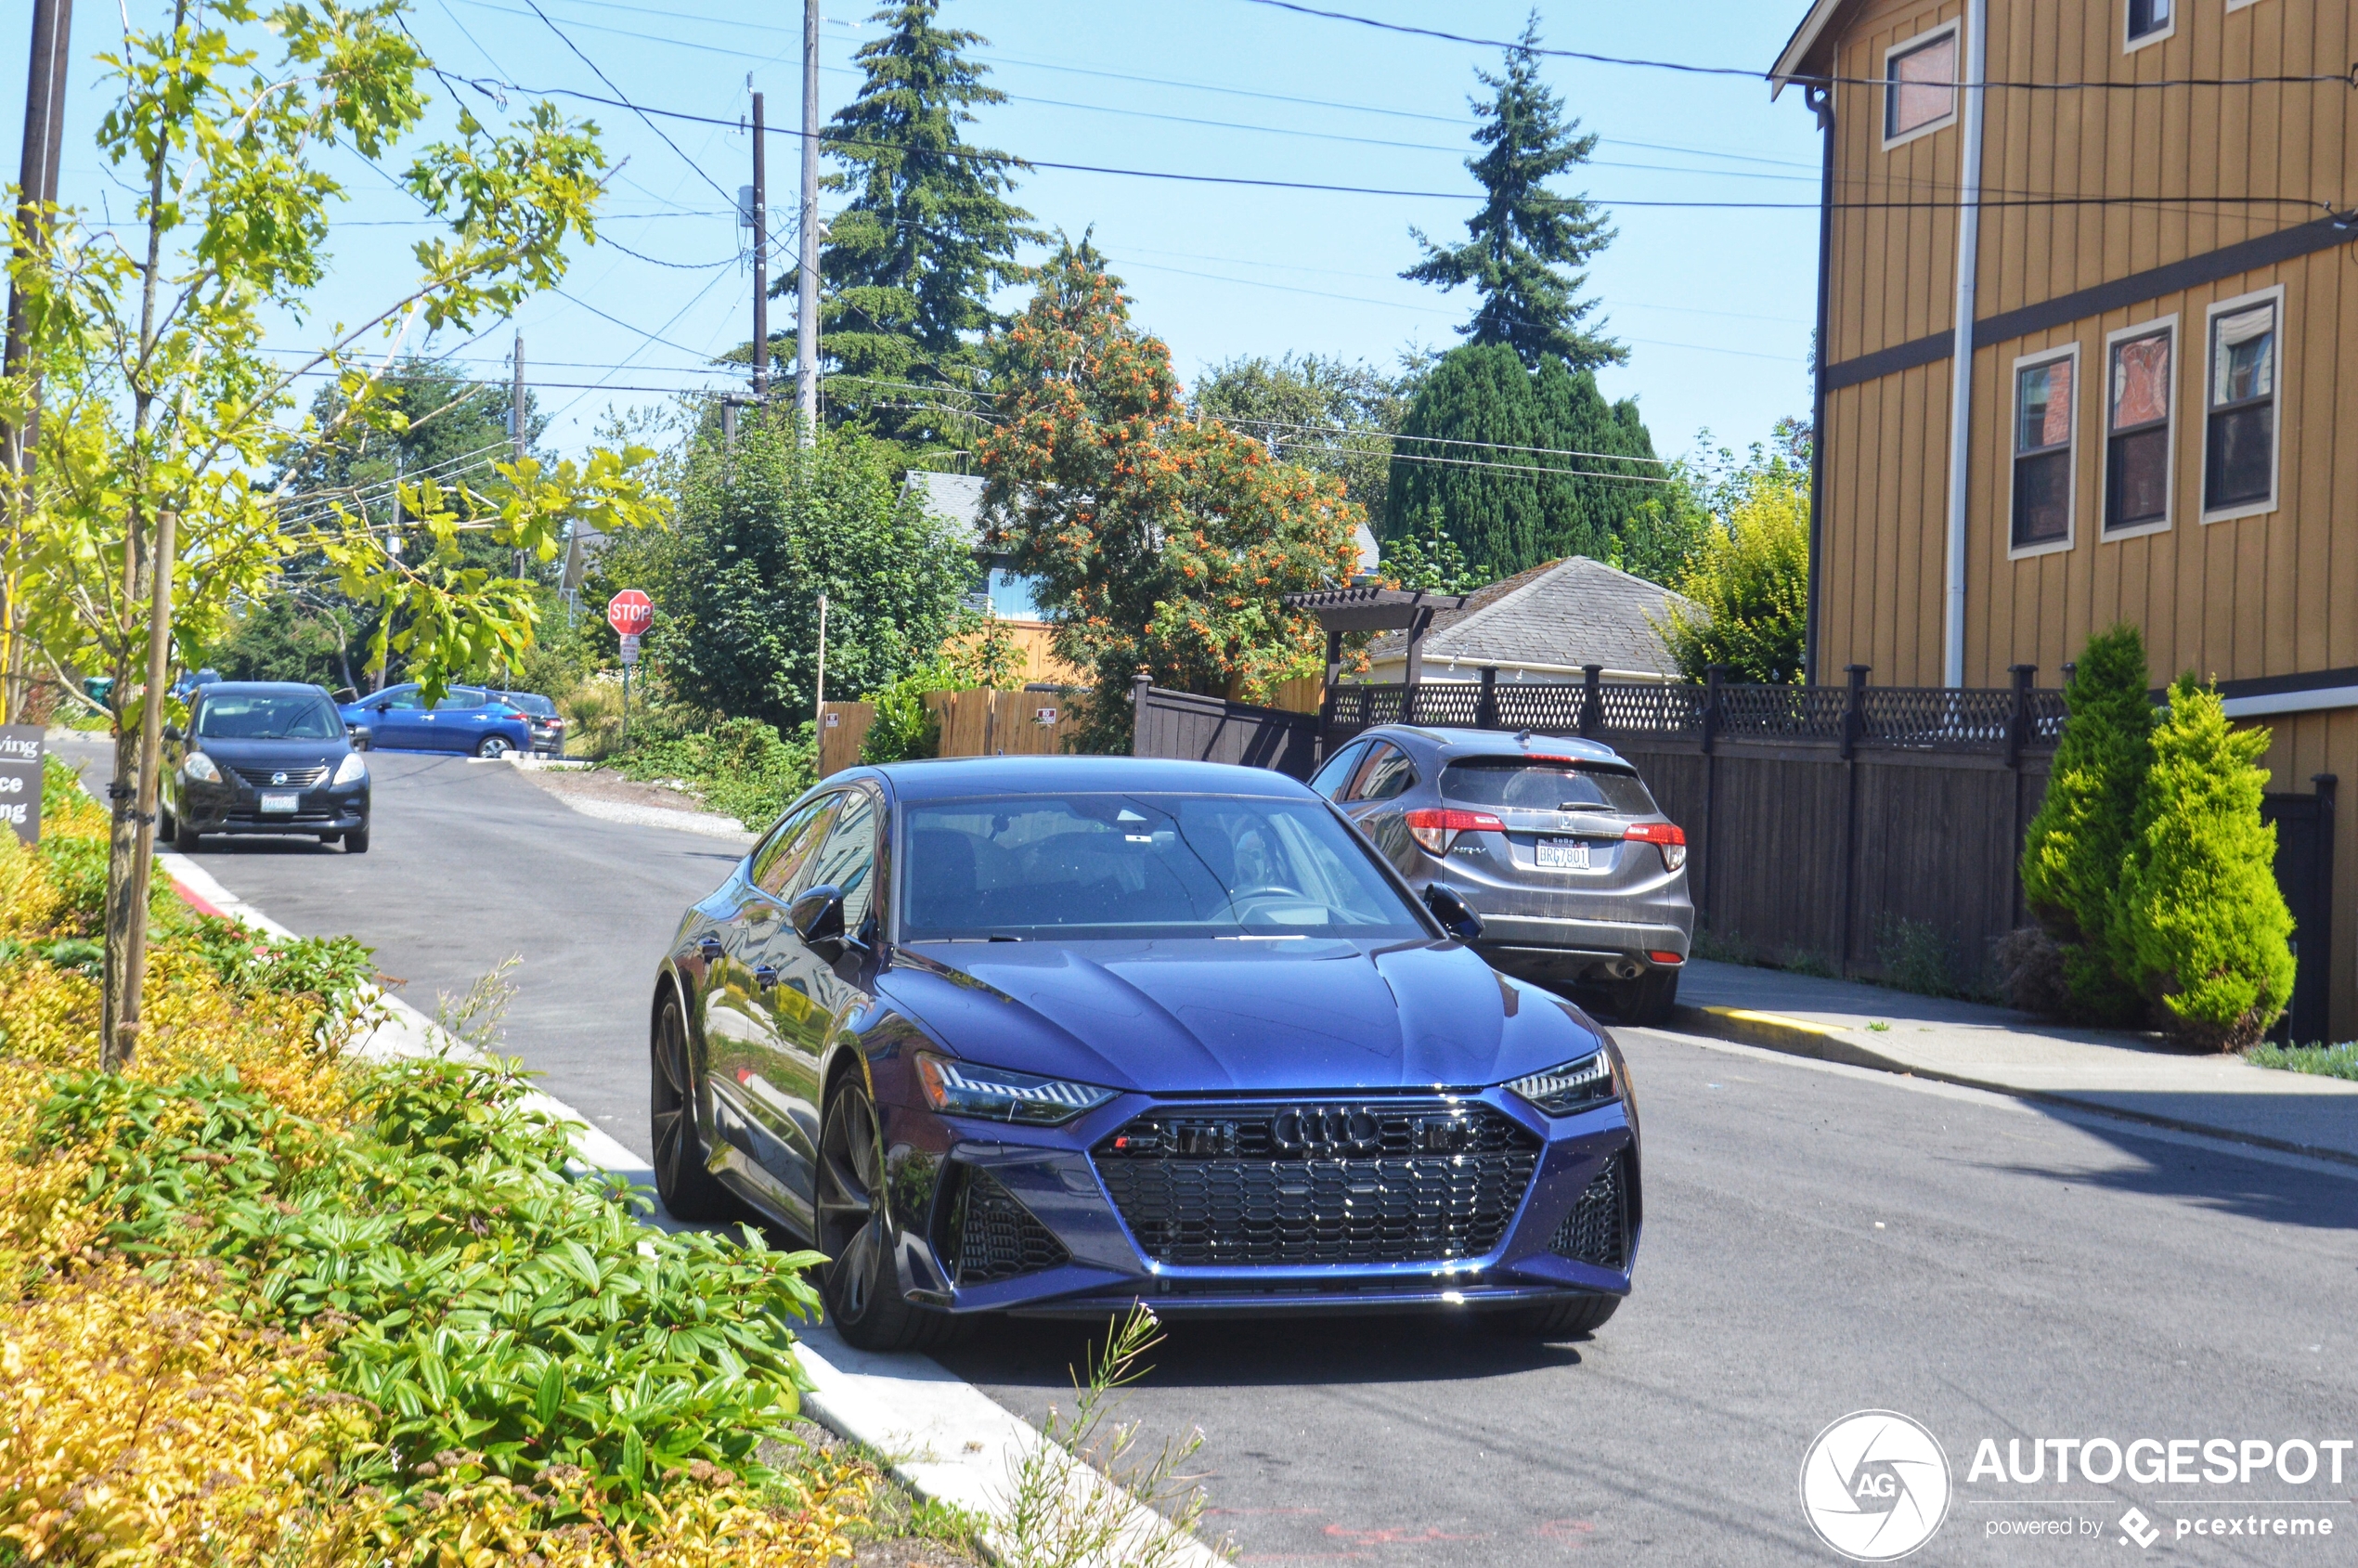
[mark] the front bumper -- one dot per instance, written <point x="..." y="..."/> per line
<point x="236" y="807"/>
<point x="1056" y="1243"/>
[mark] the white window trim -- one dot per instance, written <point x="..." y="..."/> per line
<point x="2104" y="416"/>
<point x="2013" y="430"/>
<point x="1956" y="92"/>
<point x="2239" y="4"/>
<point x="2131" y="46"/>
<point x="2275" y="294"/>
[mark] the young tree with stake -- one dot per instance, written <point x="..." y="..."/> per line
<point x="146" y="515"/>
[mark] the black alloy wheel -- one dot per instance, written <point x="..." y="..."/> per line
<point x="493" y="746"/>
<point x="184" y="838"/>
<point x="689" y="1189"/>
<point x="862" y="1286"/>
<point x="355" y="841"/>
<point x="1647" y="1001"/>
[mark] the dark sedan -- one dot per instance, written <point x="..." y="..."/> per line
<point x="263" y="757"/>
<point x="1053" y="1035"/>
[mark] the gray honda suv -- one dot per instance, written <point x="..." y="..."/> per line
<point x="1577" y="876"/>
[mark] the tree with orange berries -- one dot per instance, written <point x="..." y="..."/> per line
<point x="1161" y="543"/>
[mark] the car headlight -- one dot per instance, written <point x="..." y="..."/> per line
<point x="966" y="1089"/>
<point x="200" y="768"/>
<point x="1574" y="1086"/>
<point x="351" y="771"/>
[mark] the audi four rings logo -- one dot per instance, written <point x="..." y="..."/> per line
<point x="1327" y="1130"/>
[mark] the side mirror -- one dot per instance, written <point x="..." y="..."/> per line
<point x="1456" y="916"/>
<point x="173" y="733"/>
<point x="359" y="734"/>
<point x="384" y="708"/>
<point x="817" y="918"/>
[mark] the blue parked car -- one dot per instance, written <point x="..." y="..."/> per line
<point x="468" y="719"/>
<point x="1054" y="1035"/>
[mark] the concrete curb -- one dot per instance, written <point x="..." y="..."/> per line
<point x="939" y="1435"/>
<point x="1796" y="1037"/>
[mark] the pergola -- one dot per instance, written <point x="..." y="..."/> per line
<point x="1375" y="609"/>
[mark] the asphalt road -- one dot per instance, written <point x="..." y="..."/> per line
<point x="1818" y="1241"/>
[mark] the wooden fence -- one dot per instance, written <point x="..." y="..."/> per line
<point x="1181" y="724"/>
<point x="1032" y="722"/>
<point x="843" y="729"/>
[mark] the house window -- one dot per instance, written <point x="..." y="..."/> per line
<point x="2150" y="20"/>
<point x="2137" y="430"/>
<point x="2239" y="441"/>
<point x="2042" y="450"/>
<point x="1920" y="86"/>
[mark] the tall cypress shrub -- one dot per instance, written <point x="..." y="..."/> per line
<point x="2200" y="916"/>
<point x="2072" y="855"/>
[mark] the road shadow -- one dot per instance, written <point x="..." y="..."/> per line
<point x="2320" y="1195"/>
<point x="1272" y="1352"/>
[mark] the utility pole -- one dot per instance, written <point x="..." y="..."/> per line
<point x="760" y="252"/>
<point x="45" y="113"/>
<point x="805" y="332"/>
<point x="819" y="710"/>
<point x="515" y="425"/>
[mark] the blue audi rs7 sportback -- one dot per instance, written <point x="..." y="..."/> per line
<point x="1053" y="1035"/>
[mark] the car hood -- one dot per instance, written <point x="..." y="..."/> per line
<point x="1220" y="1017"/>
<point x="275" y="753"/>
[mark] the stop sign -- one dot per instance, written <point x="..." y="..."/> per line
<point x="629" y="612"/>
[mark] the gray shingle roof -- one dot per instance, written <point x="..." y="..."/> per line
<point x="1570" y="612"/>
<point x="954" y="498"/>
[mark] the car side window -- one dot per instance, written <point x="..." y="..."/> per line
<point x="1328" y="780"/>
<point x="848" y="862"/>
<point x="459" y="699"/>
<point x="405" y="697"/>
<point x="788" y="849"/>
<point x="1388" y="774"/>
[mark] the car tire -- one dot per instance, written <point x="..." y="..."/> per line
<point x="356" y="842"/>
<point x="1558" y="1320"/>
<point x="1647" y="1001"/>
<point x="861" y="1283"/>
<point x="689" y="1189"/>
<point x="185" y="839"/>
<point x="493" y="746"/>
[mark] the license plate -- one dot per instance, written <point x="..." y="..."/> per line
<point x="1563" y="854"/>
<point x="279" y="802"/>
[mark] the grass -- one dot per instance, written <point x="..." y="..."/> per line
<point x="2327" y="1061"/>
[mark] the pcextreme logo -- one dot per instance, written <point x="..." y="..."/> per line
<point x="1874" y="1485"/>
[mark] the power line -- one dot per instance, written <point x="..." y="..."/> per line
<point x="624" y="100"/>
<point x="2348" y="79"/>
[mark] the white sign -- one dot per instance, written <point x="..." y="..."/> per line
<point x="1044" y="714"/>
<point x="629" y="651"/>
<point x="834" y="722"/>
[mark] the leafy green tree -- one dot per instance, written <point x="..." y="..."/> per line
<point x="1507" y="457"/>
<point x="2200" y="912"/>
<point x="1750" y="584"/>
<point x="1525" y="232"/>
<point x="1163" y="544"/>
<point x="1329" y="415"/>
<point x="762" y="529"/>
<point x="158" y="408"/>
<point x="2073" y="852"/>
<point x="909" y="264"/>
<point x="1428" y="559"/>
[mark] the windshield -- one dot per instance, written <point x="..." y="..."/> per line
<point x="1512" y="784"/>
<point x="530" y="704"/>
<point x="1131" y="866"/>
<point x="267" y="715"/>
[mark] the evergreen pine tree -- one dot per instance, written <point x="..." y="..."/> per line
<point x="1525" y="231"/>
<point x="909" y="265"/>
<point x="1505" y="514"/>
<point x="2073" y="852"/>
<point x="2200" y="913"/>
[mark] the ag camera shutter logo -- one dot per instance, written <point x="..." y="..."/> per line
<point x="1874" y="1485"/>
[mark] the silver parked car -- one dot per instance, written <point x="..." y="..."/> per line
<point x="1578" y="877"/>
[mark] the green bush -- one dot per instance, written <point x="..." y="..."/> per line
<point x="2200" y="912"/>
<point x="332" y="969"/>
<point x="2329" y="1061"/>
<point x="740" y="766"/>
<point x="904" y="727"/>
<point x="2073" y="852"/>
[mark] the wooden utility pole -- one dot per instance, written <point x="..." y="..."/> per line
<point x="516" y="424"/>
<point x="806" y="331"/>
<point x="45" y="113"/>
<point x="760" y="252"/>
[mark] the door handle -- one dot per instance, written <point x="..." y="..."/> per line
<point x="765" y="974"/>
<point x="709" y="945"/>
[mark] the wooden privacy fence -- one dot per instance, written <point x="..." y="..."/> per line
<point x="1032" y="722"/>
<point x="843" y="729"/>
<point x="1181" y="724"/>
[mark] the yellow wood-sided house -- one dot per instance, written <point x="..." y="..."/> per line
<point x="2088" y="352"/>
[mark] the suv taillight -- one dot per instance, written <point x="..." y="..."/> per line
<point x="1670" y="838"/>
<point x="1438" y="829"/>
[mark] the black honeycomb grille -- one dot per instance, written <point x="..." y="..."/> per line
<point x="1597" y="1231"/>
<point x="997" y="1236"/>
<point x="1354" y="1183"/>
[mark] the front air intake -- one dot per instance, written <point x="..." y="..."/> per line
<point x="992" y="1236"/>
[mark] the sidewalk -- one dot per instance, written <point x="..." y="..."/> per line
<point x="2124" y="1074"/>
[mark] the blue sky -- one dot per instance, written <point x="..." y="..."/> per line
<point x="1715" y="304"/>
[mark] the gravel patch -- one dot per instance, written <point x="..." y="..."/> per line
<point x="594" y="792"/>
